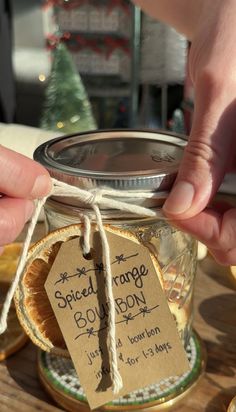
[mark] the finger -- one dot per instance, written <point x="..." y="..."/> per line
<point x="226" y="258"/>
<point x="208" y="152"/>
<point x="14" y="213"/>
<point x="216" y="230"/>
<point x="21" y="176"/>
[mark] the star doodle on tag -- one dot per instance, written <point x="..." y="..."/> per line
<point x="64" y="277"/>
<point x="82" y="309"/>
<point x="144" y="311"/>
<point x="81" y="271"/>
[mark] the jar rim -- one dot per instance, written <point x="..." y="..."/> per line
<point x="120" y="159"/>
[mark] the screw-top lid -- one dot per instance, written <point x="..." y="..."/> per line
<point x="119" y="159"/>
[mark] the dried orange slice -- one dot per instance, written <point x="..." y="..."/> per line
<point x="8" y="264"/>
<point x="14" y="338"/>
<point x="32" y="304"/>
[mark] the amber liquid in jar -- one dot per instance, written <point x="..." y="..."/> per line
<point x="175" y="251"/>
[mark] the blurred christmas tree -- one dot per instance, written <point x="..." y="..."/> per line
<point x="67" y="107"/>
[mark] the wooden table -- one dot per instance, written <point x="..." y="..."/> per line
<point x="215" y="321"/>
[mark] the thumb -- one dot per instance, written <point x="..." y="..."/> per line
<point x="208" y="152"/>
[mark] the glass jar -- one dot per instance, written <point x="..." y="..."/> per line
<point x="139" y="162"/>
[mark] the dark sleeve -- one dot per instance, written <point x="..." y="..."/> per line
<point x="7" y="87"/>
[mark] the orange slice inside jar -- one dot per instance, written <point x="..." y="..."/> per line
<point x="32" y="304"/>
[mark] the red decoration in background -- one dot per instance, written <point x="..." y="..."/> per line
<point x="68" y="5"/>
<point x="52" y="41"/>
<point x="106" y="45"/>
<point x="73" y="4"/>
<point x="82" y="43"/>
<point x="113" y="43"/>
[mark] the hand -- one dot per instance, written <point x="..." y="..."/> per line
<point x="21" y="181"/>
<point x="211" y="150"/>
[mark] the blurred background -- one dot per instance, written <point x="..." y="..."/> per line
<point x="81" y="64"/>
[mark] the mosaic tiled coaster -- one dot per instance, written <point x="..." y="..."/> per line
<point x="60" y="379"/>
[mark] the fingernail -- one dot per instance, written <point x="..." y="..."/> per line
<point x="29" y="208"/>
<point x="180" y="198"/>
<point x="42" y="186"/>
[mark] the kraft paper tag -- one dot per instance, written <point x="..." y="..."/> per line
<point x="148" y="345"/>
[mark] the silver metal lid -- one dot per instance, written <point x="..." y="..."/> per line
<point x="119" y="159"/>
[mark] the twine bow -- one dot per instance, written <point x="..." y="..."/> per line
<point x="95" y="198"/>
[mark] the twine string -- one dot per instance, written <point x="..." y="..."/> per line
<point x="21" y="265"/>
<point x="117" y="382"/>
<point x="87" y="231"/>
<point x="96" y="199"/>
